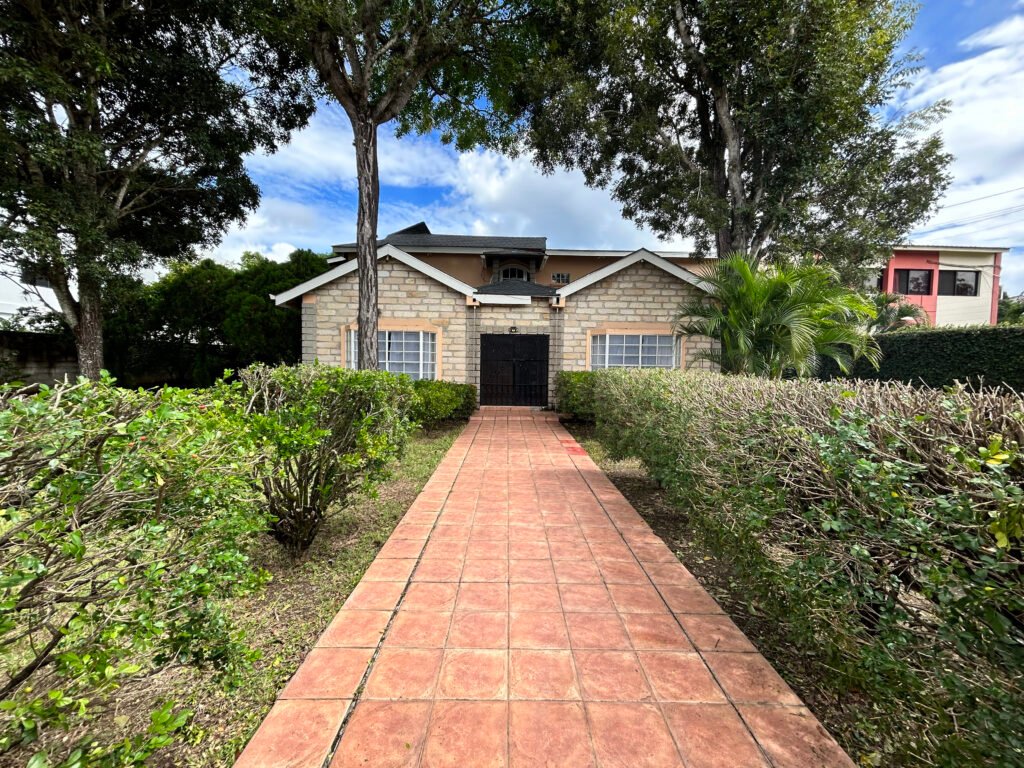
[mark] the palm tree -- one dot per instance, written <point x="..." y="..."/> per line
<point x="779" y="318"/>
<point x="892" y="311"/>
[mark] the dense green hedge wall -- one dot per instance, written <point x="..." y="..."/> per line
<point x="879" y="525"/>
<point x="436" y="402"/>
<point x="939" y="357"/>
<point x="574" y="394"/>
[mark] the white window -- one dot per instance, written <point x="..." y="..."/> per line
<point x="514" y="273"/>
<point x="410" y="352"/>
<point x="624" y="350"/>
<point x="560" y="278"/>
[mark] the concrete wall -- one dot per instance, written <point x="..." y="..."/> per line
<point x="36" y="358"/>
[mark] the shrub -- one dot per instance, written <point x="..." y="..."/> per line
<point x="574" y="394"/>
<point x="438" y="401"/>
<point x="329" y="431"/>
<point x="123" y="515"/>
<point x="878" y="525"/>
<point x="939" y="357"/>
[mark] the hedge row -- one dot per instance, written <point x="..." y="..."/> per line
<point x="127" y="516"/>
<point x="939" y="357"/>
<point x="879" y="525"/>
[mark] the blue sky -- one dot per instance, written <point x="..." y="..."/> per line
<point x="973" y="55"/>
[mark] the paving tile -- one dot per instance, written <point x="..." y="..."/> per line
<point x="416" y="629"/>
<point x="450" y="532"/>
<point x="482" y="597"/>
<point x="473" y="674"/>
<point x="715" y="633"/>
<point x="395" y="569"/>
<point x="534" y="597"/>
<point x="403" y="673"/>
<point x="611" y="676"/>
<point x="296" y="734"/>
<point x="486" y="570"/>
<point x="328" y="673"/>
<point x="535" y="629"/>
<point x="401" y="548"/>
<point x="676" y="676"/>
<point x="383" y="734"/>
<point x="631" y="735"/>
<point x="487" y="550"/>
<point x="748" y="678"/>
<point x="689" y="600"/>
<point x="712" y="736"/>
<point x="433" y="569"/>
<point x="531" y="572"/>
<point x="467" y="733"/>
<point x="375" y="596"/>
<point x="355" y="629"/>
<point x="655" y="632"/>
<point x="585" y="597"/>
<point x="410" y="531"/>
<point x="622" y="572"/>
<point x="471" y="629"/>
<point x="637" y="598"/>
<point x="547" y="734"/>
<point x="548" y="675"/>
<point x="577" y="572"/>
<point x="430" y="596"/>
<point x="668" y="574"/>
<point x="569" y="550"/>
<point x="445" y="549"/>
<point x="597" y="631"/>
<point x="793" y="738"/>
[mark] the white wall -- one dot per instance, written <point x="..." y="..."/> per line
<point x="967" y="310"/>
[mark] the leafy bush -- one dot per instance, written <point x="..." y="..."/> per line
<point x="328" y="431"/>
<point x="123" y="515"/>
<point x="574" y="394"/>
<point x="939" y="357"/>
<point x="878" y="525"/>
<point x="439" y="401"/>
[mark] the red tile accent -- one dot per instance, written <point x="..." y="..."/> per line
<point x="415" y="629"/>
<point x="712" y="736"/>
<point x="546" y="733"/>
<point x="403" y="673"/>
<point x="328" y="673"/>
<point x="748" y="678"/>
<point x="793" y="738"/>
<point x="534" y="597"/>
<point x="473" y="674"/>
<point x="611" y="676"/>
<point x="678" y="676"/>
<point x="296" y="734"/>
<point x="546" y="675"/>
<point x="655" y="632"/>
<point x="467" y="733"/>
<point x="430" y="596"/>
<point x="355" y="629"/>
<point x="585" y="597"/>
<point x="715" y="633"/>
<point x="482" y="597"/>
<point x="597" y="631"/>
<point x="383" y="734"/>
<point x="479" y="630"/>
<point x="537" y="630"/>
<point x="631" y="735"/>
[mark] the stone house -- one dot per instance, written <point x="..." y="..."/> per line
<point x="503" y="313"/>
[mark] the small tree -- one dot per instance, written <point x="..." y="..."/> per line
<point x="429" y="65"/>
<point x="893" y="311"/>
<point x="122" y="131"/>
<point x="779" y="319"/>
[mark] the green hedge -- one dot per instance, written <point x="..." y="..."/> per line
<point x="436" y="402"/>
<point x="574" y="394"/>
<point x="878" y="525"/>
<point x="938" y="357"/>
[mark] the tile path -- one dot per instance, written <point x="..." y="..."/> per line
<point x="524" y="614"/>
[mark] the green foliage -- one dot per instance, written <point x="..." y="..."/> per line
<point x="1011" y="310"/>
<point x="778" y="319"/>
<point x="124" y="515"/>
<point x="436" y="402"/>
<point x="893" y="312"/>
<point x="879" y="526"/>
<point x="574" y="394"/>
<point x="123" y="127"/>
<point x="329" y="432"/>
<point x="939" y="357"/>
<point x="739" y="123"/>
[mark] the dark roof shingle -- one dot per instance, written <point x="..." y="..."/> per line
<point x="419" y="235"/>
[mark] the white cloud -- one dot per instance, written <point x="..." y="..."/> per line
<point x="982" y="132"/>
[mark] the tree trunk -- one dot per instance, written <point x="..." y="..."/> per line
<point x="365" y="130"/>
<point x="89" y="329"/>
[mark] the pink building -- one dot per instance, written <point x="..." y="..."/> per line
<point x="955" y="285"/>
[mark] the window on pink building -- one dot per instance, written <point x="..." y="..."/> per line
<point x="954" y="282"/>
<point x="913" y="282"/>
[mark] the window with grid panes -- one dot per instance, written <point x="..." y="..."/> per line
<point x="625" y="350"/>
<point x="410" y="352"/>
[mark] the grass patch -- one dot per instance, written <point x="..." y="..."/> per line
<point x="806" y="677"/>
<point x="285" y="619"/>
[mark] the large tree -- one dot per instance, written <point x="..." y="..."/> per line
<point x="429" y="65"/>
<point x="743" y="124"/>
<point x="122" y="131"/>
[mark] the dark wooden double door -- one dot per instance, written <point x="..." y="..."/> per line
<point x="513" y="369"/>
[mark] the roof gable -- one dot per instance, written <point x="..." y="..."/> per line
<point x="627" y="261"/>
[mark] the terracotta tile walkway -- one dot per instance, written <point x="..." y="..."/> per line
<point x="524" y="614"/>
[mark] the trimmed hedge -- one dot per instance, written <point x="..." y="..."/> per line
<point x="939" y="357"/>
<point x="436" y="402"/>
<point x="574" y="394"/>
<point x="879" y="525"/>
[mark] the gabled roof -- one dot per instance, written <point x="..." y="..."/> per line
<point x="398" y="254"/>
<point x="627" y="261"/>
<point x="420" y="236"/>
<point x="515" y="288"/>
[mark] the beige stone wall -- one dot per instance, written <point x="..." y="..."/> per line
<point x="639" y="299"/>
<point x="408" y="300"/>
